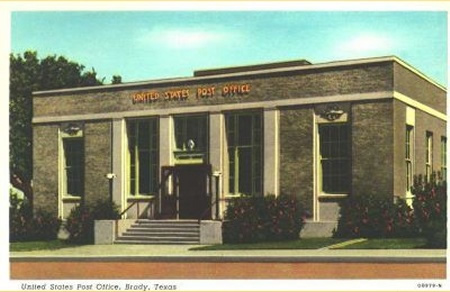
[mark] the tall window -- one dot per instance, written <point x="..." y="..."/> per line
<point x="444" y="157"/>
<point x="409" y="152"/>
<point x="143" y="156"/>
<point x="244" y="136"/>
<point x="429" y="155"/>
<point x="191" y="128"/>
<point x="74" y="166"/>
<point x="335" y="157"/>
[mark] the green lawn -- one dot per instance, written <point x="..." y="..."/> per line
<point x="307" y="243"/>
<point x="39" y="245"/>
<point x="316" y="243"/>
<point x="388" y="243"/>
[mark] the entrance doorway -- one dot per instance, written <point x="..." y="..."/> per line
<point x="193" y="191"/>
<point x="191" y="196"/>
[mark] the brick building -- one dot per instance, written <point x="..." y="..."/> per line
<point x="180" y="148"/>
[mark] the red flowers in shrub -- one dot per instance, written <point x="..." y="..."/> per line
<point x="369" y="216"/>
<point x="430" y="210"/>
<point x="252" y="219"/>
<point x="26" y="226"/>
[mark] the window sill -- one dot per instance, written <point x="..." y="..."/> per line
<point x="67" y="198"/>
<point x="141" y="198"/>
<point x="332" y="196"/>
<point x="232" y="196"/>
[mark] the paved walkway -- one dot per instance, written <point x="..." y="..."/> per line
<point x="178" y="262"/>
<point x="182" y="251"/>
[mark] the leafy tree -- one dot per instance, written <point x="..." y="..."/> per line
<point x="116" y="79"/>
<point x="28" y="73"/>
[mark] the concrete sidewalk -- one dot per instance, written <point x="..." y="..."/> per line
<point x="178" y="262"/>
<point x="182" y="253"/>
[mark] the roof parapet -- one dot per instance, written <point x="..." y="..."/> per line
<point x="249" y="68"/>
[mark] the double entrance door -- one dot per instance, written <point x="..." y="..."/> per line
<point x="190" y="198"/>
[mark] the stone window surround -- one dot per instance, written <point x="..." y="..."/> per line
<point x="444" y="157"/>
<point x="410" y="125"/>
<point x="318" y="118"/>
<point x="64" y="198"/>
<point x="428" y="155"/>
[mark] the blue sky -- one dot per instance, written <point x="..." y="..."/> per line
<point x="153" y="45"/>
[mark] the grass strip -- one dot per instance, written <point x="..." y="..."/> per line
<point x="306" y="243"/>
<point x="39" y="245"/>
<point x="386" y="243"/>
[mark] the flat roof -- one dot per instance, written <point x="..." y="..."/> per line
<point x="255" y="67"/>
<point x="244" y="71"/>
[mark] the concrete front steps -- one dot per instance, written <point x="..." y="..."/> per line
<point x="145" y="231"/>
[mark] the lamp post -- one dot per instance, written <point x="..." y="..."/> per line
<point x="217" y="174"/>
<point x="110" y="177"/>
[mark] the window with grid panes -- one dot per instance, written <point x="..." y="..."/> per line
<point x="74" y="166"/>
<point x="143" y="156"/>
<point x="244" y="137"/>
<point x="335" y="157"/>
<point x="409" y="152"/>
<point x="191" y="128"/>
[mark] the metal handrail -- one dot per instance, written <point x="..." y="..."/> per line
<point x="128" y="208"/>
<point x="214" y="203"/>
<point x="206" y="210"/>
<point x="163" y="181"/>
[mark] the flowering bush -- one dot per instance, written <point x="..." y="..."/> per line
<point x="45" y="226"/>
<point x="381" y="217"/>
<point x="80" y="223"/>
<point x="23" y="226"/>
<point x="253" y="219"/>
<point x="372" y="217"/>
<point x="430" y="210"/>
<point x="285" y="218"/>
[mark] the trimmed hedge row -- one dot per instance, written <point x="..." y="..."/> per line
<point x="254" y="219"/>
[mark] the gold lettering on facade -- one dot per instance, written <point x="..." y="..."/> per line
<point x="235" y="89"/>
<point x="228" y="90"/>
<point x="180" y="94"/>
<point x="205" y="92"/>
<point x="145" y="97"/>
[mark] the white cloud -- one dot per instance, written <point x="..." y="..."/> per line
<point x="367" y="43"/>
<point x="184" y="38"/>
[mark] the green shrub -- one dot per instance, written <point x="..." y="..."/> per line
<point x="20" y="214"/>
<point x="286" y="218"/>
<point x="80" y="223"/>
<point x="430" y="210"/>
<point x="242" y="222"/>
<point x="45" y="226"/>
<point x="255" y="219"/>
<point x="373" y="217"/>
<point x="105" y="210"/>
<point x="24" y="226"/>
